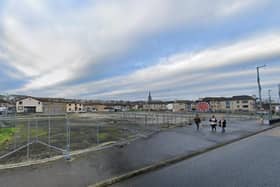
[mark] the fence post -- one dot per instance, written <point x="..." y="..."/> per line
<point x="36" y="118"/>
<point x="157" y="119"/>
<point x="28" y="139"/>
<point x="15" y="124"/>
<point x="49" y="134"/>
<point x="145" y="120"/>
<point x="67" y="152"/>
<point x="97" y="134"/>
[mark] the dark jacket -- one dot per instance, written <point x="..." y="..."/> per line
<point x="224" y="123"/>
<point x="197" y="120"/>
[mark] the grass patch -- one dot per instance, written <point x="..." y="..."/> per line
<point x="6" y="134"/>
<point x="109" y="134"/>
<point x="22" y="131"/>
<point x="103" y="136"/>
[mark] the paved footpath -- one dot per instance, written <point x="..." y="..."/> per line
<point x="96" y="166"/>
<point x="252" y="162"/>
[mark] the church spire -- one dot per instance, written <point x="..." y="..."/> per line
<point x="149" y="97"/>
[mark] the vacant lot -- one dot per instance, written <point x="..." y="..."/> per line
<point x="86" y="130"/>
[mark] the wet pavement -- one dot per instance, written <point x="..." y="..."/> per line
<point x="250" y="162"/>
<point x="93" y="167"/>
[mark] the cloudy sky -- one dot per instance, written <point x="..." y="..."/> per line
<point x="120" y="49"/>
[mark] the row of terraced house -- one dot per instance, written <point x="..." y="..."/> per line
<point x="242" y="103"/>
<point x="59" y="105"/>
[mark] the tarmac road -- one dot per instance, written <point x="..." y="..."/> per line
<point x="94" y="167"/>
<point x="254" y="161"/>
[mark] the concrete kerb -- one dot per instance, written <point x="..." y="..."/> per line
<point x="105" y="145"/>
<point x="171" y="161"/>
<point x="102" y="146"/>
<point x="46" y="160"/>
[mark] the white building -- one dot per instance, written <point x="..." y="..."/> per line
<point x="29" y="105"/>
<point x="179" y="106"/>
<point x="4" y="105"/>
<point x="277" y="109"/>
<point x="75" y="107"/>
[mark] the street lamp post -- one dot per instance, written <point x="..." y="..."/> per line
<point x="279" y="92"/>
<point x="270" y="109"/>
<point x="259" y="84"/>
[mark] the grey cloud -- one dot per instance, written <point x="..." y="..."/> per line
<point x="188" y="75"/>
<point x="51" y="46"/>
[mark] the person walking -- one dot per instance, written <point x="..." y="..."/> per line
<point x="224" y="124"/>
<point x="213" y="123"/>
<point x="220" y="123"/>
<point x="197" y="121"/>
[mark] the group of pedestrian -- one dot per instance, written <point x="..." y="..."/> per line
<point x="213" y="123"/>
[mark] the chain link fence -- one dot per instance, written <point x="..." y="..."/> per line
<point x="33" y="137"/>
<point x="38" y="136"/>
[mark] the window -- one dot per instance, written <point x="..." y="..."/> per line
<point x="69" y="104"/>
<point x="20" y="103"/>
<point x="245" y="106"/>
<point x="20" y="108"/>
<point x="39" y="102"/>
<point x="244" y="101"/>
<point x="237" y="101"/>
<point x="227" y="104"/>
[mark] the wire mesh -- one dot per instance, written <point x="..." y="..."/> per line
<point x="26" y="137"/>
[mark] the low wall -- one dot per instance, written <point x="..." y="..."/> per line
<point x="274" y="121"/>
